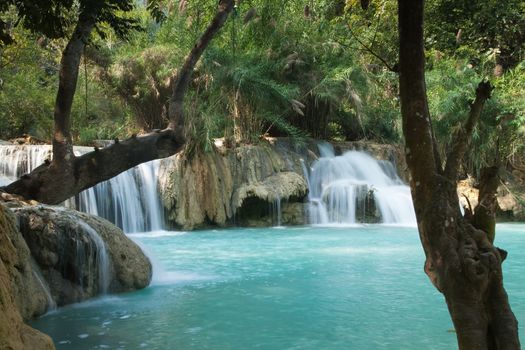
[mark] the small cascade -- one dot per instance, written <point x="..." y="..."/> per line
<point x="51" y="304"/>
<point x="355" y="187"/>
<point x="129" y="200"/>
<point x="276" y="211"/>
<point x="101" y="258"/>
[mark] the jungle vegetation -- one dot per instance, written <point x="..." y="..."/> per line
<point x="321" y="69"/>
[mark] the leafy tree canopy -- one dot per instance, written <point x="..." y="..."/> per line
<point x="54" y="18"/>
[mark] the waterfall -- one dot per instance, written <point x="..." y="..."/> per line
<point x="101" y="258"/>
<point x="18" y="160"/>
<point x="355" y="187"/>
<point x="51" y="304"/>
<point x="129" y="200"/>
<point x="276" y="211"/>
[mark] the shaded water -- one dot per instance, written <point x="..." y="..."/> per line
<point x="292" y="288"/>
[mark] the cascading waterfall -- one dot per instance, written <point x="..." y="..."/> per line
<point x="51" y="304"/>
<point x="129" y="200"/>
<point x="18" y="160"/>
<point x="101" y="259"/>
<point x="346" y="189"/>
<point x="276" y="211"/>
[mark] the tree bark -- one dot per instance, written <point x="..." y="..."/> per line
<point x="460" y="261"/>
<point x="176" y="108"/>
<point x="68" y="77"/>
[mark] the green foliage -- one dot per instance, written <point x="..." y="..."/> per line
<point x="282" y="68"/>
<point x="28" y="85"/>
<point x="469" y="29"/>
<point x="510" y="91"/>
<point x="54" y="18"/>
<point x="28" y="92"/>
<point x="451" y="88"/>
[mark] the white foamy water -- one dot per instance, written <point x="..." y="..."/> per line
<point x="101" y="259"/>
<point x="129" y="200"/>
<point x="342" y="187"/>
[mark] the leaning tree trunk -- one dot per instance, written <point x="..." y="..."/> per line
<point x="176" y="108"/>
<point x="460" y="261"/>
<point x="67" y="84"/>
<point x="66" y="175"/>
<point x="62" y="165"/>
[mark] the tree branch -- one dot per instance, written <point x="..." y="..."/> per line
<point x="417" y="128"/>
<point x="176" y="108"/>
<point x="485" y="212"/>
<point x="463" y="136"/>
<point x="373" y="53"/>
<point x="51" y="185"/>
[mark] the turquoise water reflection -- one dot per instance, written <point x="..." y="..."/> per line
<point x="292" y="288"/>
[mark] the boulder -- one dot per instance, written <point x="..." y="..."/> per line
<point x="131" y="268"/>
<point x="15" y="278"/>
<point x="81" y="255"/>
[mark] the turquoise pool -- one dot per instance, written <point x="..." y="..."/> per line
<point x="316" y="288"/>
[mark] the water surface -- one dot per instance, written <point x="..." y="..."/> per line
<point x="312" y="288"/>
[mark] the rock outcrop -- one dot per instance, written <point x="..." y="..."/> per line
<point x="509" y="196"/>
<point x="80" y="255"/>
<point x="17" y="285"/>
<point x="250" y="200"/>
<point x="227" y="186"/>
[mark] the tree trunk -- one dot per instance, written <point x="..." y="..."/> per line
<point x="460" y="259"/>
<point x="63" y="157"/>
<point x="67" y="84"/>
<point x="176" y="108"/>
<point x="484" y="217"/>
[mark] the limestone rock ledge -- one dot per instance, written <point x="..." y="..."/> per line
<point x="15" y="270"/>
<point x="225" y="187"/>
<point x="81" y="256"/>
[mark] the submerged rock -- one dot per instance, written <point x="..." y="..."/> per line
<point x="18" y="291"/>
<point x="80" y="255"/>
